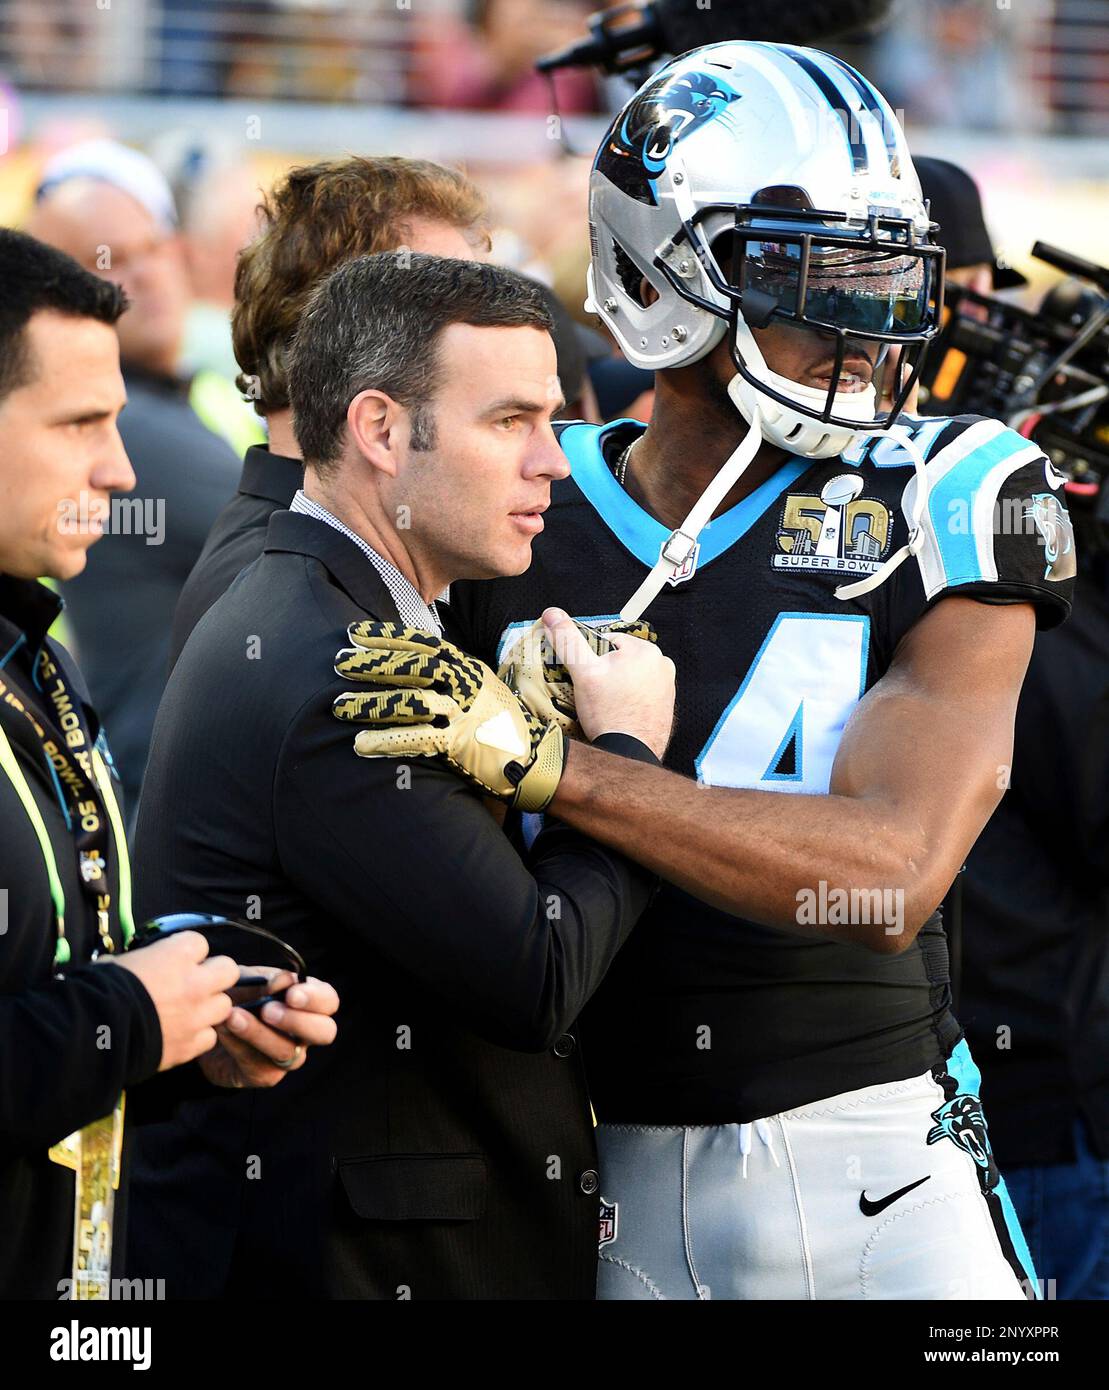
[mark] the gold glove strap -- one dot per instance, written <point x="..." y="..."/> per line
<point x="535" y="791"/>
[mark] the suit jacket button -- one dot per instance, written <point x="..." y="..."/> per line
<point x="589" y="1182"/>
<point x="565" y="1045"/>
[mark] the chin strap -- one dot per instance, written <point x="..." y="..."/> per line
<point x="916" y="532"/>
<point x="680" y="545"/>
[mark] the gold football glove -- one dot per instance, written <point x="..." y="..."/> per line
<point x="428" y="699"/>
<point x="543" y="683"/>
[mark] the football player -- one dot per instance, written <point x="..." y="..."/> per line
<point x="786" y="1105"/>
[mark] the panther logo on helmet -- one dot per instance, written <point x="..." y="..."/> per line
<point x="754" y="185"/>
<point x="665" y="111"/>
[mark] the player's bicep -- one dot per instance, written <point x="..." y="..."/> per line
<point x="934" y="737"/>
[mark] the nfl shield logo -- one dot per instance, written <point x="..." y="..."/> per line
<point x="607" y="1232"/>
<point x="688" y="567"/>
<point x="681" y="550"/>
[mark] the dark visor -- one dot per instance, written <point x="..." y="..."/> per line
<point x="859" y="291"/>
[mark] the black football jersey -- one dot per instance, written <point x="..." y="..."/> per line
<point x="707" y="1018"/>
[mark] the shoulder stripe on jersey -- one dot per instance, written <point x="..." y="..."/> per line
<point x="933" y="556"/>
<point x="635" y="528"/>
<point x="985" y="500"/>
<point x="964" y="480"/>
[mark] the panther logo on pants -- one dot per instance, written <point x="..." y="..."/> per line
<point x="961" y="1120"/>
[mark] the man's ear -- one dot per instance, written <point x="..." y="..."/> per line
<point x="372" y="420"/>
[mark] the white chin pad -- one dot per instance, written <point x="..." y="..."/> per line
<point x="857" y="406"/>
<point x="791" y="428"/>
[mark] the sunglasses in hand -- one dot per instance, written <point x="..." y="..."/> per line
<point x="229" y="936"/>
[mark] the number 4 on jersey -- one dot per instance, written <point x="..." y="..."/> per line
<point x="782" y="729"/>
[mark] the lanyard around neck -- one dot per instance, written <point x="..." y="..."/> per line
<point x="10" y="765"/>
<point x="34" y="815"/>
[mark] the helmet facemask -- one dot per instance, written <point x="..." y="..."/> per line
<point x="863" y="289"/>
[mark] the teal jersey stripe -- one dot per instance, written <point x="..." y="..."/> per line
<point x="958" y="489"/>
<point x="636" y="529"/>
<point x="963" y="1068"/>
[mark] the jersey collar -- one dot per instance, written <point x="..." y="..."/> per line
<point x="636" y="529"/>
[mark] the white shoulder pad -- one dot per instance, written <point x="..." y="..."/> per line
<point x="965" y="479"/>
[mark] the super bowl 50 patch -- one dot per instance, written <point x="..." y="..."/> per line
<point x="839" y="531"/>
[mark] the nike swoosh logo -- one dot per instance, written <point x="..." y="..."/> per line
<point x="869" y="1208"/>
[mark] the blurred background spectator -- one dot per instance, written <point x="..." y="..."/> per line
<point x="319" y="216"/>
<point x="482" y="56"/>
<point x="971" y="64"/>
<point x="111" y="209"/>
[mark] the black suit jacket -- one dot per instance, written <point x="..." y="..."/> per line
<point x="443" y="1145"/>
<point x="268" y="484"/>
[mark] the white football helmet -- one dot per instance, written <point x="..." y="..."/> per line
<point x="757" y="184"/>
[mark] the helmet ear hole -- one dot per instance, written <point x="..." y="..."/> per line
<point x="632" y="278"/>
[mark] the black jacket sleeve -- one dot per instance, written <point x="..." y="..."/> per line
<point x="67" y="1049"/>
<point x="1093" y="790"/>
<point x="405" y="856"/>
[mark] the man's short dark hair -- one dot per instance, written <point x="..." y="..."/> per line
<point x="373" y="325"/>
<point x="33" y="277"/>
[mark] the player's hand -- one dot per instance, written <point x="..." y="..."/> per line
<point x="628" y="691"/>
<point x="425" y="698"/>
<point x="260" y="1050"/>
<point x="188" y="990"/>
<point x="536" y="672"/>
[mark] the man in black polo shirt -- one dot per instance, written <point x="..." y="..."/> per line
<point x="321" y="215"/>
<point x="74" y="1032"/>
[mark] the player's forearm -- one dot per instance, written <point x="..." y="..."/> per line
<point x="762" y="855"/>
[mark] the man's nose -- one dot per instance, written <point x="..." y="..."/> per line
<point x="112" y="471"/>
<point x="545" y="458"/>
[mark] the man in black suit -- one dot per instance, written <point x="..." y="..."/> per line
<point x="319" y="216"/>
<point x="443" y="1146"/>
